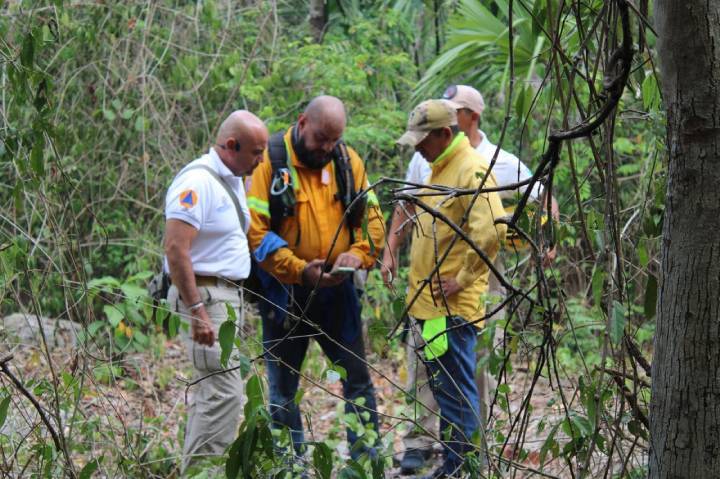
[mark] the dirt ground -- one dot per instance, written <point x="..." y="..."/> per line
<point x="149" y="398"/>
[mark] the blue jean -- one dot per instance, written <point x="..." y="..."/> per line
<point x="452" y="381"/>
<point x="333" y="313"/>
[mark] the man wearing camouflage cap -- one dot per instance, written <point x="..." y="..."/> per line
<point x="507" y="170"/>
<point x="445" y="313"/>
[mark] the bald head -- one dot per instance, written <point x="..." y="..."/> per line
<point x="242" y="138"/>
<point x="238" y="124"/>
<point x="326" y="111"/>
<point x="320" y="127"/>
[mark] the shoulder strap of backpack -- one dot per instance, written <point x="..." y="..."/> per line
<point x="277" y="151"/>
<point x="228" y="190"/>
<point x="345" y="179"/>
<point x="344" y="174"/>
<point x="281" y="200"/>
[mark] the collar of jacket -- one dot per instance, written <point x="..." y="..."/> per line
<point x="460" y="142"/>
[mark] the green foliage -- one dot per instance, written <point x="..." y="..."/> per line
<point x="103" y="102"/>
<point x="382" y="308"/>
<point x="226" y="337"/>
<point x="150" y="85"/>
<point x="4" y="407"/>
<point x="477" y="51"/>
<point x="128" y="314"/>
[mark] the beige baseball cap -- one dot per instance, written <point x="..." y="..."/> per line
<point x="426" y="117"/>
<point x="463" y="96"/>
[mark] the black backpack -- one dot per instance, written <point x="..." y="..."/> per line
<point x="282" y="192"/>
<point x="281" y="201"/>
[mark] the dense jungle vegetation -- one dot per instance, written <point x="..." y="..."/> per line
<point x="103" y="102"/>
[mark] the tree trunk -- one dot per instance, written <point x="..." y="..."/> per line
<point x="318" y="19"/>
<point x="685" y="404"/>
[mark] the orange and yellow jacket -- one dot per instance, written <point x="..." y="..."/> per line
<point x="318" y="217"/>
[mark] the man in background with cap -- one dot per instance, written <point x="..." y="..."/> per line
<point x="445" y="314"/>
<point x="507" y="170"/>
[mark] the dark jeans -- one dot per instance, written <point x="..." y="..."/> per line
<point x="333" y="313"/>
<point x="452" y="380"/>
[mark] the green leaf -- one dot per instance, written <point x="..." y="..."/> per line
<point x="94" y="327"/>
<point x="4" y="406"/>
<point x="299" y="395"/>
<point x="232" y="315"/>
<point x="141" y="338"/>
<point x="367" y="235"/>
<point x="584" y="426"/>
<point x="353" y="471"/>
<point x="232" y="465"/>
<point x="141" y="124"/>
<point x="133" y="292"/>
<point x="141" y="276"/>
<point x="106" y="283"/>
<point x="643" y="254"/>
<point x="90" y="468"/>
<point x="109" y="114"/>
<point x="651" y="290"/>
<point x="323" y="460"/>
<point x="254" y="392"/>
<point x="225" y="338"/>
<point x="341" y="371"/>
<point x="650" y="92"/>
<point x="173" y="325"/>
<point x="27" y="54"/>
<point x="37" y="161"/>
<point x="398" y="306"/>
<point x="114" y="315"/>
<point x="617" y="322"/>
<point x="244" y="361"/>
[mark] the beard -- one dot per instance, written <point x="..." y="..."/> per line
<point x="315" y="159"/>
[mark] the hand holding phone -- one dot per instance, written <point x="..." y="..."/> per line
<point x="342" y="270"/>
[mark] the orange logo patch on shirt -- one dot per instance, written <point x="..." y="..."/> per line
<point x="188" y="199"/>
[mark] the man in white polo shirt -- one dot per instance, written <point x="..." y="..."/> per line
<point x="507" y="170"/>
<point x="207" y="256"/>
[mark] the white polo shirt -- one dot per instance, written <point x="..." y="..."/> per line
<point x="195" y="197"/>
<point x="508" y="169"/>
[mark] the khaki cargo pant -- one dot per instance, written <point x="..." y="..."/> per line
<point x="426" y="413"/>
<point x="215" y="405"/>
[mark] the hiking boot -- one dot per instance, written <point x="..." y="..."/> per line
<point x="413" y="460"/>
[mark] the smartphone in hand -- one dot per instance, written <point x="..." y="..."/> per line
<point x="342" y="271"/>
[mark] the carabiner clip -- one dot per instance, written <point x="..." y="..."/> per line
<point x="280" y="182"/>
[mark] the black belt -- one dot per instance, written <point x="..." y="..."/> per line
<point x="218" y="281"/>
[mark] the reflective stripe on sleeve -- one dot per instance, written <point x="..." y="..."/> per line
<point x="259" y="206"/>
